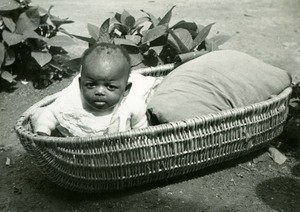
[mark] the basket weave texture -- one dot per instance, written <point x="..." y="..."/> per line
<point x="140" y="156"/>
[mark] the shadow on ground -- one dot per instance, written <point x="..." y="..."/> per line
<point x="280" y="193"/>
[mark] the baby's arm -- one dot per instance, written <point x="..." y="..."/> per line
<point x="44" y="121"/>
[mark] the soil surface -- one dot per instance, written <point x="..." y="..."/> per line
<point x="266" y="29"/>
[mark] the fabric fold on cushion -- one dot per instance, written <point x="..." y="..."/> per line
<point x="217" y="81"/>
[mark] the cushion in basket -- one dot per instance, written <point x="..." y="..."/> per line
<point x="217" y="81"/>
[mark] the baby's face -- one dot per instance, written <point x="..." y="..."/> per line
<point x="103" y="85"/>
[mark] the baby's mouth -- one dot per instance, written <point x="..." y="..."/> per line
<point x="100" y="103"/>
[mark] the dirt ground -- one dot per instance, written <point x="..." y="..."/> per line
<point x="266" y="29"/>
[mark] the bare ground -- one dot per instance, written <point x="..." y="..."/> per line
<point x="268" y="30"/>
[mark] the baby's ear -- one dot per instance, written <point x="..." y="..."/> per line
<point x="127" y="89"/>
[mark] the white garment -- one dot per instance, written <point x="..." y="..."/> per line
<point x="67" y="114"/>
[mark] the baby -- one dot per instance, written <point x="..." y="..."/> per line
<point x="104" y="98"/>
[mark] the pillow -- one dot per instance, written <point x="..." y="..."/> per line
<point x="217" y="81"/>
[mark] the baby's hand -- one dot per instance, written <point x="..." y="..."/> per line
<point x="34" y="118"/>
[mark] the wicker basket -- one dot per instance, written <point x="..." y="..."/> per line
<point x="121" y="160"/>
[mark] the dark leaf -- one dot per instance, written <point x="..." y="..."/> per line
<point x="7" y="76"/>
<point x="166" y="19"/>
<point x="118" y="17"/>
<point x="89" y="40"/>
<point x="6" y="5"/>
<point x="42" y="58"/>
<point x="134" y="38"/>
<point x="58" y="21"/>
<point x="201" y="35"/>
<point x="135" y="56"/>
<point x="9" y="57"/>
<point x="74" y="64"/>
<point x="121" y="41"/>
<point x="28" y="20"/>
<point x="53" y="50"/>
<point x="11" y="38"/>
<point x="127" y="19"/>
<point x="104" y="32"/>
<point x="2" y="53"/>
<point x="180" y="39"/>
<point x="93" y="31"/>
<point x="154" y="33"/>
<point x="9" y="23"/>
<point x="154" y="20"/>
<point x="122" y="28"/>
<point x="44" y="19"/>
<point x="190" y="26"/>
<point x="60" y="40"/>
<point x="156" y="49"/>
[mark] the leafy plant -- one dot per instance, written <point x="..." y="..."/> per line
<point x="151" y="41"/>
<point x="31" y="47"/>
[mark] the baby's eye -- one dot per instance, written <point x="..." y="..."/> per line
<point x="90" y="85"/>
<point x="111" y="87"/>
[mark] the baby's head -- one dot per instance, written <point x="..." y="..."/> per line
<point x="104" y="76"/>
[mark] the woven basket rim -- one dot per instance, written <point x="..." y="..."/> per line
<point x="21" y="130"/>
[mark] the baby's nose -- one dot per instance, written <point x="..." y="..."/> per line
<point x="100" y="90"/>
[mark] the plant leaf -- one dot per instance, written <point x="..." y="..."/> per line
<point x="93" y="31"/>
<point x="118" y="17"/>
<point x="134" y="38"/>
<point x="156" y="49"/>
<point x="11" y="38"/>
<point x="201" y="35"/>
<point x="74" y="64"/>
<point x="86" y="39"/>
<point x="60" y="40"/>
<point x="220" y="39"/>
<point x="154" y="20"/>
<point x="135" y="56"/>
<point x="189" y="56"/>
<point x="7" y="76"/>
<point x="28" y="20"/>
<point x="121" y="41"/>
<point x="213" y="43"/>
<point x="104" y="32"/>
<point x="42" y="10"/>
<point x="58" y="21"/>
<point x="9" y="57"/>
<point x="140" y="21"/>
<point x="9" y="23"/>
<point x="210" y="45"/>
<point x="180" y="39"/>
<point x="154" y="33"/>
<point x="42" y="58"/>
<point x="190" y="26"/>
<point x="127" y="19"/>
<point x="32" y="34"/>
<point x="6" y="5"/>
<point x="2" y="53"/>
<point x="166" y="19"/>
<point x="122" y="28"/>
